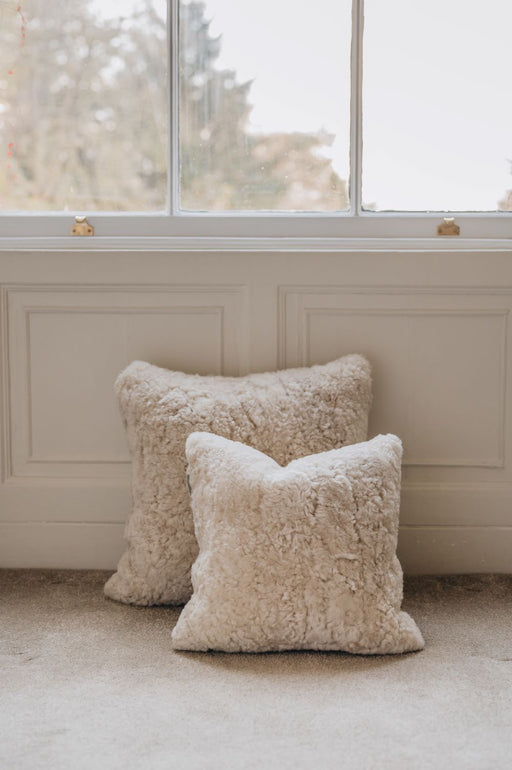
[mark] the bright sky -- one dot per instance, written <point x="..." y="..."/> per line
<point x="298" y="61"/>
<point x="437" y="88"/>
<point x="299" y="72"/>
<point x="438" y="103"/>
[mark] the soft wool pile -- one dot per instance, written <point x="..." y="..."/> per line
<point x="286" y="414"/>
<point x="301" y="557"/>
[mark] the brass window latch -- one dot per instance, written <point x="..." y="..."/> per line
<point x="82" y="227"/>
<point x="448" y="227"/>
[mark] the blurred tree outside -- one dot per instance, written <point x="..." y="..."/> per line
<point x="83" y="109"/>
<point x="505" y="204"/>
<point x="83" y="119"/>
<point x="223" y="165"/>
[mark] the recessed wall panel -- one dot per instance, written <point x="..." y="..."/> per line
<point x="67" y="347"/>
<point x="74" y="358"/>
<point x="438" y="365"/>
<point x="430" y="387"/>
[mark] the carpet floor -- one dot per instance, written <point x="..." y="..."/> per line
<point x="88" y="683"/>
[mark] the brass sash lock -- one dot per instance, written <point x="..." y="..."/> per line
<point x="448" y="227"/>
<point x="82" y="227"/>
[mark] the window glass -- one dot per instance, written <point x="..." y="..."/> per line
<point x="83" y="105"/>
<point x="437" y="107"/>
<point x="264" y="105"/>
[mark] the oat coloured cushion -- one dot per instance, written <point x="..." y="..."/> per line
<point x="285" y="414"/>
<point x="301" y="557"/>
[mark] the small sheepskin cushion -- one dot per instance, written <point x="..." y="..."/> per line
<point x="301" y="557"/>
<point x="286" y="414"/>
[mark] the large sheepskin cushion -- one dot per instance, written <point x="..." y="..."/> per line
<point x="301" y="557"/>
<point x="285" y="414"/>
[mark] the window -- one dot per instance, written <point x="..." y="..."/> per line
<point x="213" y="118"/>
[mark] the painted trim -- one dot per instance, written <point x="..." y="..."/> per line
<point x="233" y="244"/>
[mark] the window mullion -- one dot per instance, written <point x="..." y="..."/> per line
<point x="173" y="108"/>
<point x="356" y="110"/>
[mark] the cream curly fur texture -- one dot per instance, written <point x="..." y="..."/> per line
<point x="301" y="557"/>
<point x="285" y="414"/>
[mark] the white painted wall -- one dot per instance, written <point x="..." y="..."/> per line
<point x="435" y="325"/>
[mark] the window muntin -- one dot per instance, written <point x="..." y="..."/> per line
<point x="355" y="223"/>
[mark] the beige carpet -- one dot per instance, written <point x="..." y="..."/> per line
<point x="87" y="683"/>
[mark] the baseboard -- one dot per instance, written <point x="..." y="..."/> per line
<point x="422" y="549"/>
<point x="437" y="550"/>
<point x="61" y="545"/>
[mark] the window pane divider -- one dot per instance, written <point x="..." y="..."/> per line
<point x="173" y="171"/>
<point x="356" y="107"/>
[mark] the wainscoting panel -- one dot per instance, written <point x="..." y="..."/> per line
<point x="441" y="372"/>
<point x="66" y="347"/>
<point x="436" y="328"/>
<point x="439" y="364"/>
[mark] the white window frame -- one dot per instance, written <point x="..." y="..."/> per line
<point x="354" y="229"/>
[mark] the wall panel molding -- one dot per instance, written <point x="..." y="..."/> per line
<point x="436" y="326"/>
<point x="422" y="345"/>
<point x="66" y="344"/>
<point x="5" y="417"/>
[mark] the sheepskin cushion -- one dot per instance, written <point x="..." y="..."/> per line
<point x="301" y="557"/>
<point x="285" y="414"/>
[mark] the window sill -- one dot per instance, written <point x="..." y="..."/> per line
<point x="247" y="244"/>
